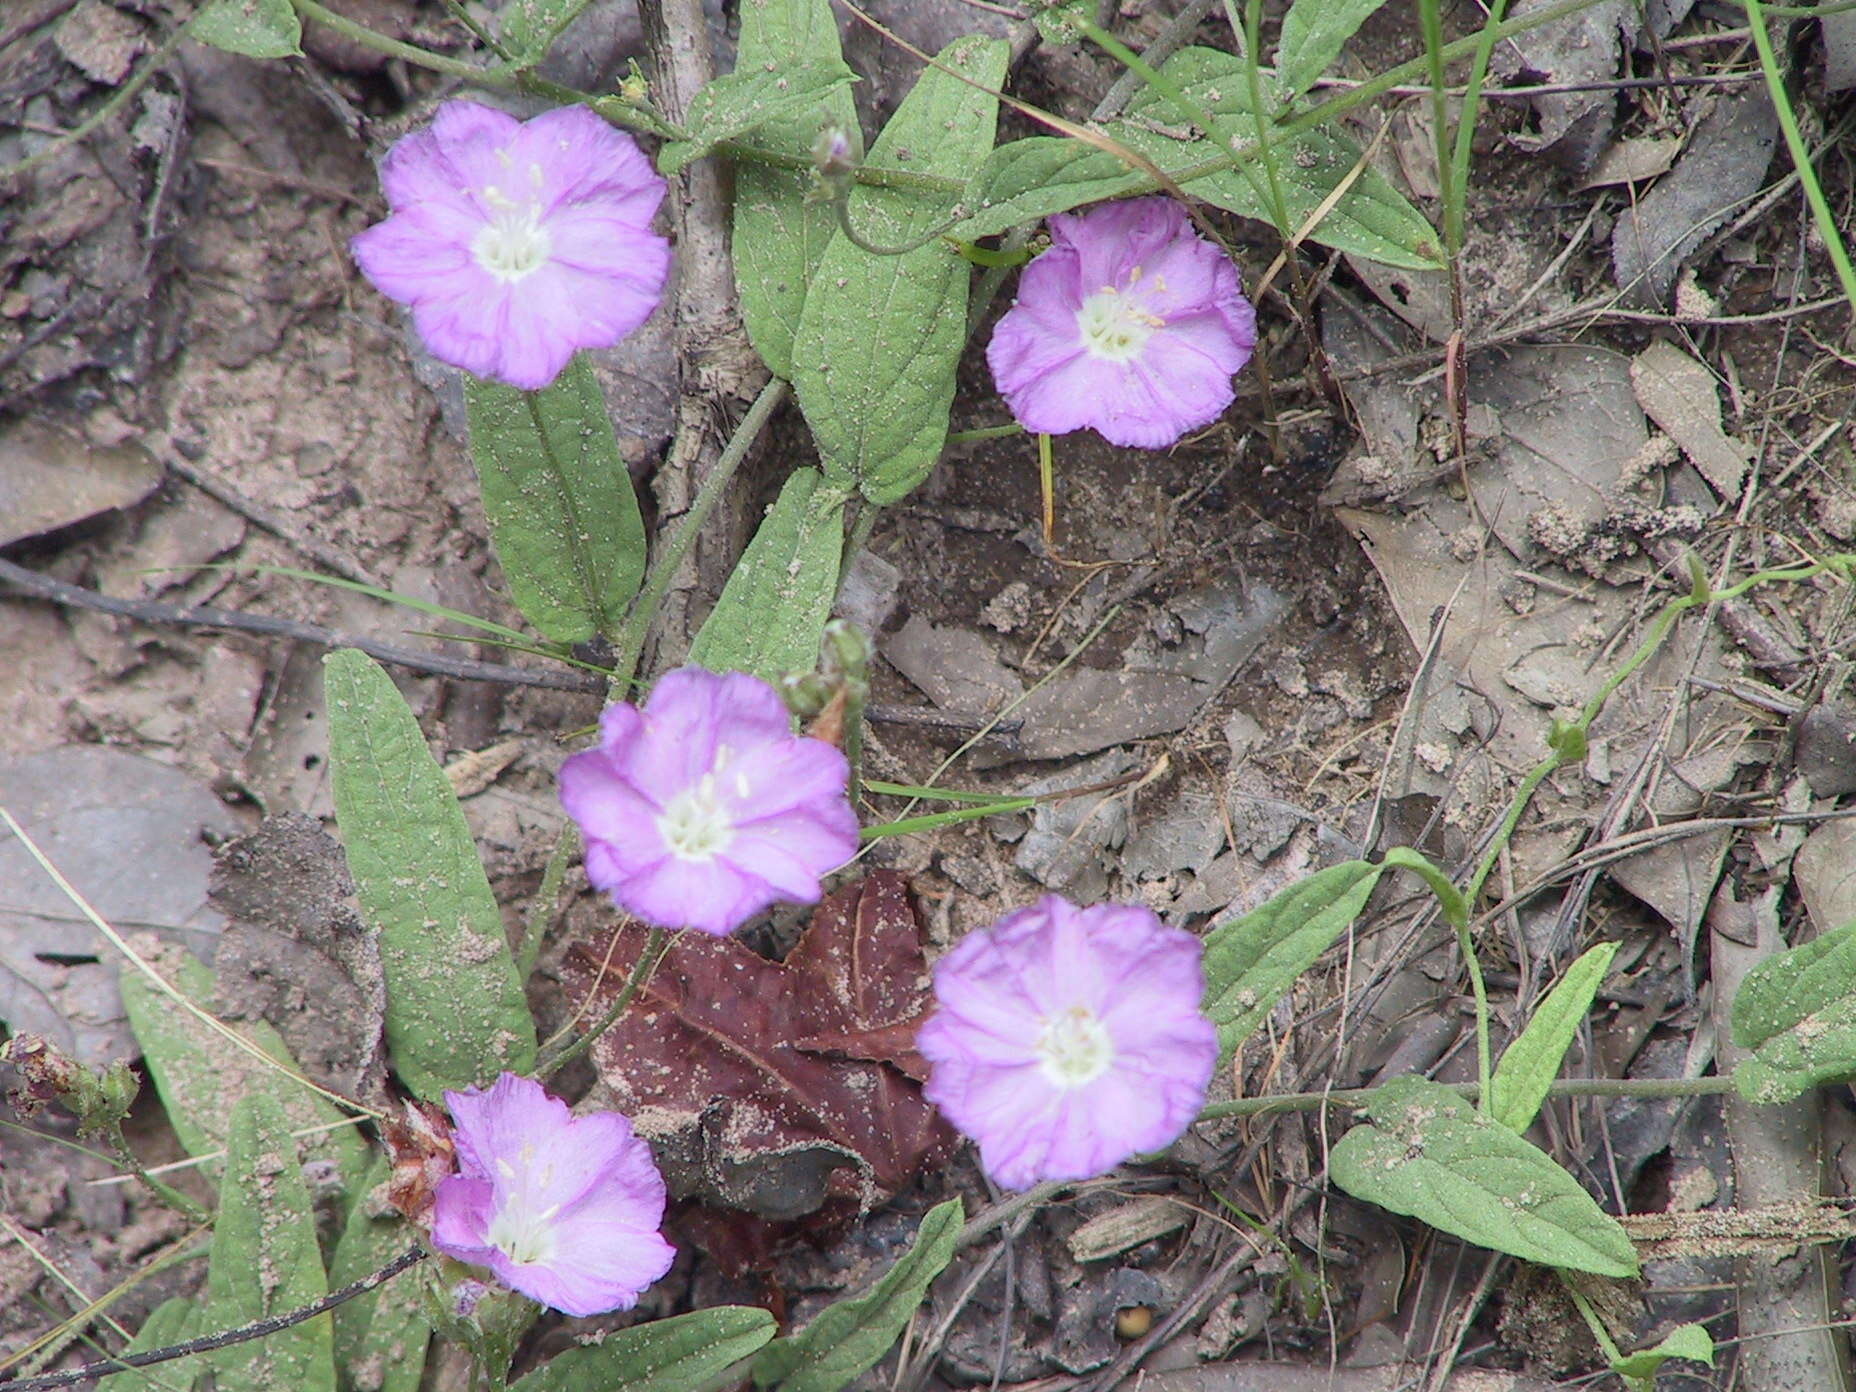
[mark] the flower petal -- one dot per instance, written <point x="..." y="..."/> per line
<point x="461" y="1212"/>
<point x="595" y="1269"/>
<point x="1001" y="989"/>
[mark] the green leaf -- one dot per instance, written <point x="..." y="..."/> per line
<point x="1689" y="1341"/>
<point x="528" y="28"/>
<point x="455" y="1011"/>
<point x="1061" y="23"/>
<point x="849" y="1337"/>
<point x="880" y="336"/>
<point x="773" y="610"/>
<point x="1250" y="962"/>
<point x="254" y="28"/>
<point x="779" y="235"/>
<point x="751" y="97"/>
<point x="669" y="1355"/>
<point x="1796" y="1011"/>
<point x="1372" y="219"/>
<point x="265" y="1262"/>
<point x="1025" y="180"/>
<point x="380" y="1335"/>
<point x="200" y="1074"/>
<point x="1313" y="33"/>
<point x="1531" y="1062"/>
<point x="1429" y="1155"/>
<point x="1034" y="178"/>
<point x="562" y="514"/>
<point x="171" y="1322"/>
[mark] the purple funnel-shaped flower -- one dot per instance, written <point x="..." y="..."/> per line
<point x="1065" y="1040"/>
<point x="1131" y="324"/>
<point x="517" y="242"/>
<point x="704" y="808"/>
<point x="564" y="1209"/>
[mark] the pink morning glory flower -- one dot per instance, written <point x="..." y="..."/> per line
<point x="517" y="242"/>
<point x="564" y="1209"/>
<point x="1131" y="324"/>
<point x="704" y="808"/>
<point x="1066" y="1040"/>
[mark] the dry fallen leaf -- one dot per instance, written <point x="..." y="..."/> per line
<point x="775" y="1086"/>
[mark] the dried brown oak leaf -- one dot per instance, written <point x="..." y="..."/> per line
<point x="775" y="1086"/>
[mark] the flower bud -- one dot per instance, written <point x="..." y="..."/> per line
<point x="98" y="1097"/>
<point x="847" y="652"/>
<point x="834" y="155"/>
<point x="486" y="1319"/>
<point x="805" y="693"/>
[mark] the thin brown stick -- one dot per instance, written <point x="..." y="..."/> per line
<point x="225" y="1339"/>
<point x="324" y="555"/>
<point x="40" y="586"/>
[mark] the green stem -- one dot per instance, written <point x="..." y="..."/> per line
<point x="1200" y="116"/>
<point x="1473" y="964"/>
<point x="980" y="256"/>
<point x="984" y="432"/>
<point x="166" y="1193"/>
<point x="1563" y="1087"/>
<point x="1430" y="23"/>
<point x="1253" y="75"/>
<point x="1801" y="157"/>
<point x="655" y="946"/>
<point x="1472" y="98"/>
<point x="456" y="10"/>
<point x="1602" y="1336"/>
<point x="842" y="203"/>
<point x="612" y="108"/>
<point x="630" y="645"/>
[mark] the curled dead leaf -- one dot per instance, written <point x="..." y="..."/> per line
<point x="775" y="1086"/>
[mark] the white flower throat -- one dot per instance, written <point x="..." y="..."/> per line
<point x="1073" y="1047"/>
<point x="1116" y="324"/>
<point x="513" y="244"/>
<point x="694" y="824"/>
<point x="519" y="1230"/>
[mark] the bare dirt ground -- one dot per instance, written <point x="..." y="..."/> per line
<point x="1221" y="645"/>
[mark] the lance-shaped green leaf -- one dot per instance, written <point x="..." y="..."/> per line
<point x="849" y="1337"/>
<point x="563" y="517"/>
<point x="1690" y="1341"/>
<point x="1371" y="219"/>
<point x="1313" y="33"/>
<point x="1796" y="1011"/>
<point x="1030" y="179"/>
<point x="751" y="97"/>
<point x="200" y="1074"/>
<point x="774" y="607"/>
<point x="880" y="336"/>
<point x="1429" y="1155"/>
<point x="1252" y="961"/>
<point x="669" y="1355"/>
<point x="265" y="1261"/>
<point x="1529" y="1064"/>
<point x="780" y="234"/>
<point x="171" y="1322"/>
<point x="528" y="28"/>
<point x="251" y="28"/>
<point x="380" y="1335"/>
<point x="455" y="1010"/>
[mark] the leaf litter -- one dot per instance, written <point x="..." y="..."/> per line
<point x="776" y="1086"/>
